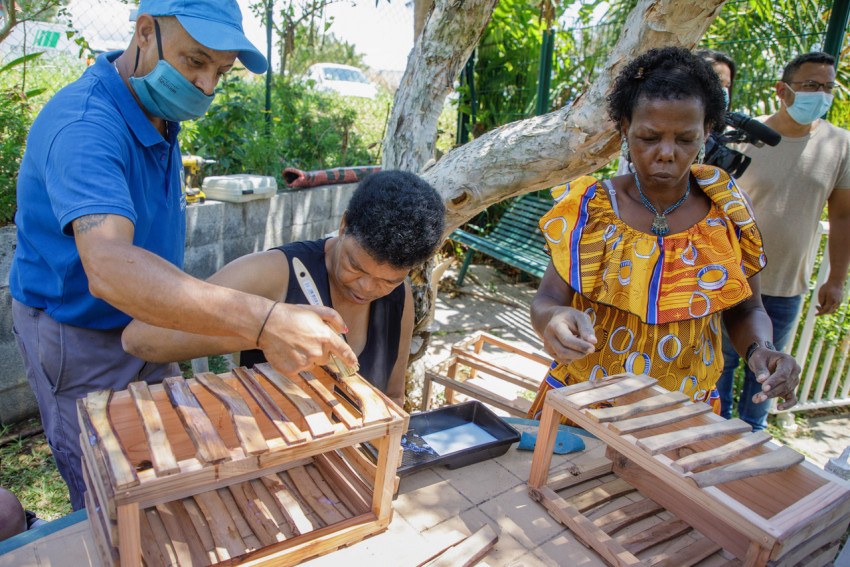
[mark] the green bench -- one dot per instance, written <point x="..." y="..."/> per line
<point x="516" y="239"/>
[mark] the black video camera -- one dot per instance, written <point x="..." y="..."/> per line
<point x="747" y="130"/>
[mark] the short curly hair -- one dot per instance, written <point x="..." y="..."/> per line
<point x="671" y="73"/>
<point x="396" y="217"/>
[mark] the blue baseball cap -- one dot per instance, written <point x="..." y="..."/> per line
<point x="216" y="24"/>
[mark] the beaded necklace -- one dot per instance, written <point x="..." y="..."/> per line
<point x="659" y="223"/>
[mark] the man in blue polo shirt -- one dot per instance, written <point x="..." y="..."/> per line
<point x="101" y="224"/>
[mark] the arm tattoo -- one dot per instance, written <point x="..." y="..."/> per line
<point x="87" y="222"/>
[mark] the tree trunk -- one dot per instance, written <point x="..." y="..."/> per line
<point x="523" y="156"/>
<point x="420" y="12"/>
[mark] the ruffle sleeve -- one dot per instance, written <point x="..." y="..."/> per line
<point x="681" y="276"/>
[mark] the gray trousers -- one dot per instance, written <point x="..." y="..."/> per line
<point x="63" y="363"/>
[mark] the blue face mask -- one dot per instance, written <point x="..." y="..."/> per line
<point x="166" y="93"/>
<point x="808" y="107"/>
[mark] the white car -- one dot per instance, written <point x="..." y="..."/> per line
<point x="342" y="79"/>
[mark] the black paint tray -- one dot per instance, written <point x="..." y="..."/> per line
<point x="418" y="454"/>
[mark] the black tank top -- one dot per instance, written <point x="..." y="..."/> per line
<point x="381" y="350"/>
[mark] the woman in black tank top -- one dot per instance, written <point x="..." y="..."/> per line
<point x="394" y="221"/>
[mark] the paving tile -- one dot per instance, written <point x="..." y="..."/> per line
<point x="521" y="517"/>
<point x="567" y="551"/>
<point x="486" y="480"/>
<point x="428" y="505"/>
<point x="400" y="540"/>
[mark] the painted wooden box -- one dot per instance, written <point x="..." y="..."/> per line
<point x="682" y="486"/>
<point x="248" y="468"/>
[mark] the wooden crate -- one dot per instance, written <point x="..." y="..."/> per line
<point x="253" y="468"/>
<point x="758" y="500"/>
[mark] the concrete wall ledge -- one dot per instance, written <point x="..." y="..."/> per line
<point x="216" y="233"/>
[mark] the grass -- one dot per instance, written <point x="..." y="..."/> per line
<point x="27" y="468"/>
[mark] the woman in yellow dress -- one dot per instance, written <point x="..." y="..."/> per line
<point x="645" y="264"/>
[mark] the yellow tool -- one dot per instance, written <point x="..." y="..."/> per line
<point x="305" y="281"/>
<point x="191" y="169"/>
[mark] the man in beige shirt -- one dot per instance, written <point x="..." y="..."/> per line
<point x="789" y="184"/>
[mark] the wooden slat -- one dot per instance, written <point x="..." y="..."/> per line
<point x="202" y="528"/>
<point x="724" y="452"/>
<point x="600" y="494"/>
<point x="256" y="513"/>
<point x="209" y="448"/>
<point x="659" y="533"/>
<point x="326" y="489"/>
<point x="497" y="371"/>
<point x="337" y="407"/>
<point x="100" y="532"/>
<point x="643" y="422"/>
<point x="161" y="537"/>
<point x="467" y="552"/>
<point x="627" y="515"/>
<point x="224" y="532"/>
<point x="121" y="472"/>
<point x="317" y="421"/>
<point x="294" y="514"/>
<point x="290" y="433"/>
<point x="517" y="407"/>
<point x="353" y="492"/>
<point x="675" y="439"/>
<point x="271" y="503"/>
<point x="372" y="405"/>
<point x="313" y="496"/>
<point x="633" y="383"/>
<point x="187" y="547"/>
<point x="774" y="461"/>
<point x="245" y="532"/>
<point x="575" y="474"/>
<point x="162" y="456"/>
<point x="617" y="413"/>
<point x="153" y="552"/>
<point x="244" y="424"/>
<point x="689" y="555"/>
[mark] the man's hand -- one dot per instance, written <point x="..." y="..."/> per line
<point x="298" y="336"/>
<point x="830" y="296"/>
<point x="778" y="374"/>
<point x="569" y="335"/>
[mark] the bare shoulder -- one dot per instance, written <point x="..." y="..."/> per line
<point x="263" y="273"/>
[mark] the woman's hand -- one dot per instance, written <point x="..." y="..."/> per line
<point x="778" y="374"/>
<point x="568" y="335"/>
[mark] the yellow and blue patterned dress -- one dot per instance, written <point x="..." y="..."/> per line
<point x="654" y="301"/>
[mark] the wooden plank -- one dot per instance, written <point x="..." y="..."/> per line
<point x="608" y="391"/>
<point x="175" y="514"/>
<point x="317" y="421"/>
<point x="97" y="479"/>
<point x="610" y="550"/>
<point x="292" y="511"/>
<point x="355" y="457"/>
<point x="161" y="537"/>
<point x="328" y="491"/>
<point x="202" y="528"/>
<point x="289" y="432"/>
<point x="209" y="448"/>
<point x="313" y="496"/>
<point x="775" y="461"/>
<point x="152" y="551"/>
<point x="600" y="494"/>
<point x="687" y="556"/>
<point x="353" y="492"/>
<point x="338" y="408"/>
<point x="256" y="513"/>
<point x="468" y="552"/>
<point x="517" y="407"/>
<point x="659" y="533"/>
<point x="675" y="439"/>
<point x="248" y="537"/>
<point x="179" y="540"/>
<point x="724" y="452"/>
<point x="224" y="532"/>
<point x="372" y="405"/>
<point x="617" y="413"/>
<point x="244" y="424"/>
<point x="636" y="424"/>
<point x="496" y="341"/>
<point x="501" y="372"/>
<point x="271" y="503"/>
<point x="121" y="472"/>
<point x="576" y="474"/>
<point x="627" y="515"/>
<point x="820" y="540"/>
<point x="162" y="456"/>
<point x="108" y="553"/>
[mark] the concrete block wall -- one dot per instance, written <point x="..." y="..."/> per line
<point x="216" y="233"/>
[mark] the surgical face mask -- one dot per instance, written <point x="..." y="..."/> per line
<point x="166" y="93"/>
<point x="808" y="107"/>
